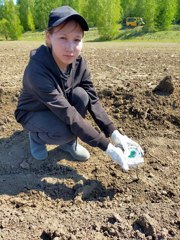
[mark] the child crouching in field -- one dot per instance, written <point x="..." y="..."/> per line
<point x="58" y="91"/>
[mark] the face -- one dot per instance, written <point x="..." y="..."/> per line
<point x="66" y="43"/>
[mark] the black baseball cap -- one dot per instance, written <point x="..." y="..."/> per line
<point x="59" y="15"/>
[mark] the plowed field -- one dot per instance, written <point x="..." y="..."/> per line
<point x="62" y="199"/>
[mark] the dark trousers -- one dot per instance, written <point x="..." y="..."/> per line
<point x="46" y="127"/>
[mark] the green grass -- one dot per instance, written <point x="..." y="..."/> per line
<point x="33" y="36"/>
<point x="135" y="34"/>
<point x="91" y="35"/>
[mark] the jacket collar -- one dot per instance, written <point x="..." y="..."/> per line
<point x="43" y="55"/>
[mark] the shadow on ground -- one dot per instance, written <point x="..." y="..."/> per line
<point x="19" y="173"/>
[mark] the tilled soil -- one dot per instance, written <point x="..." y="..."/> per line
<point x="61" y="199"/>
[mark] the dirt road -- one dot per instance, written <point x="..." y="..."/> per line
<point x="62" y="199"/>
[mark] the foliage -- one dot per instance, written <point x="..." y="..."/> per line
<point x="150" y="15"/>
<point x="108" y="18"/>
<point x="92" y="15"/>
<point x="26" y="15"/>
<point x="30" y="20"/>
<point x="177" y="17"/>
<point x="128" y="7"/>
<point x="166" y="13"/>
<point x="4" y="28"/>
<point x="11" y="20"/>
<point x="157" y="14"/>
<point x="105" y="15"/>
<point x="72" y="3"/>
<point x="41" y="11"/>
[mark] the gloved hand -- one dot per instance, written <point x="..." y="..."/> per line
<point x="123" y="141"/>
<point x="119" y="140"/>
<point x="117" y="156"/>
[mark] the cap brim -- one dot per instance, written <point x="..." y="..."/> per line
<point x="77" y="17"/>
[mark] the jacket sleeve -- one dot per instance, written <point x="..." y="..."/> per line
<point x="95" y="108"/>
<point x="43" y="88"/>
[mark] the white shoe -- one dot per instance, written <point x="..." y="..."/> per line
<point x="77" y="151"/>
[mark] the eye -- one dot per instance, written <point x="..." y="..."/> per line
<point x="77" y="40"/>
<point x="62" y="37"/>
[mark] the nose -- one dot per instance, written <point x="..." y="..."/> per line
<point x="70" y="46"/>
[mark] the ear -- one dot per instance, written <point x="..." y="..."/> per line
<point x="47" y="38"/>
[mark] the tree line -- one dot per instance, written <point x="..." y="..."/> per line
<point x="106" y="15"/>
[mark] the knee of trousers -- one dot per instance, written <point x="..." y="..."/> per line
<point x="48" y="138"/>
<point x="81" y="96"/>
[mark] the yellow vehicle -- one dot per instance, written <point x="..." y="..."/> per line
<point x="134" y="22"/>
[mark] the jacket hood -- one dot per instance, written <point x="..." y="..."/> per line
<point x="43" y="56"/>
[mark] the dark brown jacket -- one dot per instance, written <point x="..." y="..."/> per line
<point x="46" y="87"/>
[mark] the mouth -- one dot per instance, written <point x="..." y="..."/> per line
<point x="69" y="56"/>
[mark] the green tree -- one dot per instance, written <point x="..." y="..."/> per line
<point x="4" y="28"/>
<point x="72" y="3"/>
<point x="166" y="13"/>
<point x="23" y="6"/>
<point x="30" y="20"/>
<point x="89" y="9"/>
<point x="150" y="15"/>
<point x="139" y="8"/>
<point x="129" y="8"/>
<point x="1" y="9"/>
<point x="108" y="18"/>
<point x="41" y="12"/>
<point x="11" y="14"/>
<point x="177" y="18"/>
<point x="26" y="16"/>
<point x="55" y="4"/>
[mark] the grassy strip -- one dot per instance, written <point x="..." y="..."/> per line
<point x="135" y="34"/>
<point x="91" y="35"/>
<point x="33" y="36"/>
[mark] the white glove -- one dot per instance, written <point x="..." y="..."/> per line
<point x="117" y="156"/>
<point x="119" y="140"/>
<point x="123" y="141"/>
